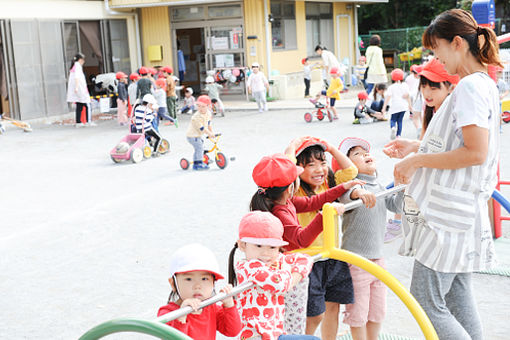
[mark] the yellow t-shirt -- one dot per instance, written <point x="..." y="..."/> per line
<point x="336" y="85"/>
<point x="199" y="122"/>
<point x="304" y="219"/>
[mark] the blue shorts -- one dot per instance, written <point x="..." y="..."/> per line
<point x="330" y="281"/>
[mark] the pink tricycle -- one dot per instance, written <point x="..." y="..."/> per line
<point x="135" y="147"/>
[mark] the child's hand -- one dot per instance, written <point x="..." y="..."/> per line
<point x="296" y="278"/>
<point x="354" y="182"/>
<point x="228" y="302"/>
<point x="193" y="303"/>
<point x="339" y="207"/>
<point x="367" y="197"/>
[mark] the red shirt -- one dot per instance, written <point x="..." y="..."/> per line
<point x="297" y="236"/>
<point x="203" y="326"/>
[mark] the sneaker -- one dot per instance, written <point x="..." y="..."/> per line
<point x="91" y="124"/>
<point x="176" y="123"/>
<point x="313" y="101"/>
<point x="261" y="110"/>
<point x="393" y="133"/>
<point x="393" y="231"/>
<point x="79" y="125"/>
<point x="356" y="121"/>
<point x="265" y="108"/>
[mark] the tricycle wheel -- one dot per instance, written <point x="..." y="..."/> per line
<point x="506" y="116"/>
<point x="147" y="151"/>
<point x="221" y="160"/>
<point x="206" y="159"/>
<point x="164" y="146"/>
<point x="308" y="117"/>
<point x="136" y="155"/>
<point x="184" y="164"/>
<point x="115" y="160"/>
<point x="320" y="115"/>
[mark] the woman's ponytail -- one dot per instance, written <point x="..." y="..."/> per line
<point x="489" y="51"/>
<point x="231" y="271"/>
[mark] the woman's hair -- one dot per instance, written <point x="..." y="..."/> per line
<point x="379" y="87"/>
<point x="458" y="22"/>
<point x="429" y="110"/>
<point x="231" y="271"/>
<point x="307" y="156"/>
<point x="77" y="57"/>
<point x="264" y="199"/>
<point x="375" y="40"/>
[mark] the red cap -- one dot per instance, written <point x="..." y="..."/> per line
<point x="204" y="99"/>
<point x="143" y="70"/>
<point x="397" y="74"/>
<point x="262" y="228"/>
<point x="362" y="95"/>
<point x="333" y="70"/>
<point x="134" y="76"/>
<point x="303" y="60"/>
<point x="434" y="71"/>
<point x="120" y="75"/>
<point x="414" y="68"/>
<point x="345" y="145"/>
<point x="167" y="69"/>
<point x="161" y="82"/>
<point x="311" y="141"/>
<point x="152" y="70"/>
<point x="275" y="171"/>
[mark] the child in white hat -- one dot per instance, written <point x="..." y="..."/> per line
<point x="257" y="85"/>
<point x="193" y="272"/>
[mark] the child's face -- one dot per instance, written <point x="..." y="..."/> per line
<point x="363" y="161"/>
<point x="362" y="62"/>
<point x="255" y="69"/>
<point x="266" y="254"/>
<point x="194" y="285"/>
<point x="202" y="108"/>
<point x="316" y="172"/>
<point x="362" y="101"/>
<point x="187" y="94"/>
<point x="434" y="96"/>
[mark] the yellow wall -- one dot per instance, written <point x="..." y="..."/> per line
<point x="290" y="61"/>
<point x="155" y="30"/>
<point x="344" y="46"/>
<point x="254" y="26"/>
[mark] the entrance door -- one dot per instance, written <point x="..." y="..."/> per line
<point x="190" y="43"/>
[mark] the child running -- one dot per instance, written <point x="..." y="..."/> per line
<point x="334" y="89"/>
<point x="363" y="233"/>
<point x="160" y="95"/>
<point x="193" y="272"/>
<point x="330" y="280"/>
<point x="200" y="125"/>
<point x="397" y="97"/>
<point x="263" y="307"/>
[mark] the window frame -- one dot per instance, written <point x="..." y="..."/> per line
<point x="319" y="17"/>
<point x="280" y="18"/>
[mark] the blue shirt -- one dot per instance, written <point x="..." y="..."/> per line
<point x="180" y="61"/>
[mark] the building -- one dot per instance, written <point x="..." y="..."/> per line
<point x="39" y="38"/>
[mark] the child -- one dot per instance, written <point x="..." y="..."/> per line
<point x="413" y="81"/>
<point x="189" y="101"/>
<point x="122" y="98"/>
<point x="397" y="97"/>
<point x="193" y="272"/>
<point x="171" y="97"/>
<point x="360" y="69"/>
<point x="330" y="280"/>
<point x="377" y="97"/>
<point x="363" y="233"/>
<point x="134" y="77"/>
<point x="144" y="117"/>
<point x="160" y="95"/>
<point x="307" y="74"/>
<point x="334" y="90"/>
<point x="200" y="124"/>
<point x="257" y="85"/>
<point x="263" y="307"/>
<point x="363" y="114"/>
<point x="213" y="89"/>
<point x="144" y="85"/>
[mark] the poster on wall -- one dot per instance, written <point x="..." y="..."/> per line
<point x="234" y="40"/>
<point x="219" y="43"/>
<point x="224" y="60"/>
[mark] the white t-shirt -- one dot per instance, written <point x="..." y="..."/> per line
<point x="413" y="84"/>
<point x="398" y="103"/>
<point x="160" y="96"/>
<point x="330" y="60"/>
<point x="257" y="82"/>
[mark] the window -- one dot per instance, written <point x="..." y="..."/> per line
<point x="283" y="26"/>
<point x="319" y="26"/>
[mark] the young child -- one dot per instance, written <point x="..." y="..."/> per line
<point x="257" y="86"/>
<point x="144" y="85"/>
<point x="122" y="98"/>
<point x="334" y="89"/>
<point x="189" y="101"/>
<point x="330" y="280"/>
<point x="263" y="307"/>
<point x="200" y="124"/>
<point x="160" y="95"/>
<point x="377" y="97"/>
<point x="360" y="69"/>
<point x="413" y="81"/>
<point x="134" y="77"/>
<point x="363" y="233"/>
<point x="213" y="90"/>
<point x="144" y="117"/>
<point x="193" y="273"/>
<point x="363" y="114"/>
<point x="397" y="97"/>
<point x="307" y="74"/>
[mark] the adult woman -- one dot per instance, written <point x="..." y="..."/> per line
<point x="451" y="178"/>
<point x="375" y="63"/>
<point x="77" y="91"/>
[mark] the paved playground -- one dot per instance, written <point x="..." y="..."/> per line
<point x="84" y="240"/>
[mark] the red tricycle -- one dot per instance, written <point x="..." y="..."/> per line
<point x="321" y="111"/>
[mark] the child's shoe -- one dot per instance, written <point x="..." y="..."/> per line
<point x="313" y="101"/>
<point x="356" y="121"/>
<point x="176" y="123"/>
<point x="393" y="230"/>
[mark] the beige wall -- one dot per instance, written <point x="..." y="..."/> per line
<point x="345" y="44"/>
<point x="254" y="26"/>
<point x="155" y="27"/>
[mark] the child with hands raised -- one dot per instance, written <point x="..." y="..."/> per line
<point x="193" y="272"/>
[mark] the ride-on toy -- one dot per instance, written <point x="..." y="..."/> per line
<point x="136" y="147"/>
<point x="321" y="111"/>
<point x="219" y="157"/>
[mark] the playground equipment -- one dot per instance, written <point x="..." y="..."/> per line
<point x="158" y="327"/>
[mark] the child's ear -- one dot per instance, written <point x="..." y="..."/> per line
<point x="241" y="245"/>
<point x="172" y="283"/>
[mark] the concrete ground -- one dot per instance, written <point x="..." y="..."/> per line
<point x="84" y="240"/>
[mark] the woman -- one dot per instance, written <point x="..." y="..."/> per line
<point x="376" y="70"/>
<point x="77" y="91"/>
<point x="451" y="178"/>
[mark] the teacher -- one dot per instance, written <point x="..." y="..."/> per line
<point x="451" y="177"/>
<point x="77" y="91"/>
<point x="376" y="72"/>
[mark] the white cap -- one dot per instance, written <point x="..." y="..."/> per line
<point x="149" y="98"/>
<point x="350" y="142"/>
<point x="209" y="79"/>
<point x="255" y="64"/>
<point x="194" y="257"/>
<point x="189" y="89"/>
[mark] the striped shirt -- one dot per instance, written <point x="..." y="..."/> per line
<point x="446" y="220"/>
<point x="143" y="117"/>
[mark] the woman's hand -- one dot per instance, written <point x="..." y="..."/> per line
<point x="405" y="169"/>
<point x="228" y="302"/>
<point x="401" y="147"/>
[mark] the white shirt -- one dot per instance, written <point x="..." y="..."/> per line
<point x="446" y="220"/>
<point x="398" y="103"/>
<point x="77" y="83"/>
<point x="329" y="59"/>
<point x="413" y="84"/>
<point x="160" y="96"/>
<point x="257" y="82"/>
